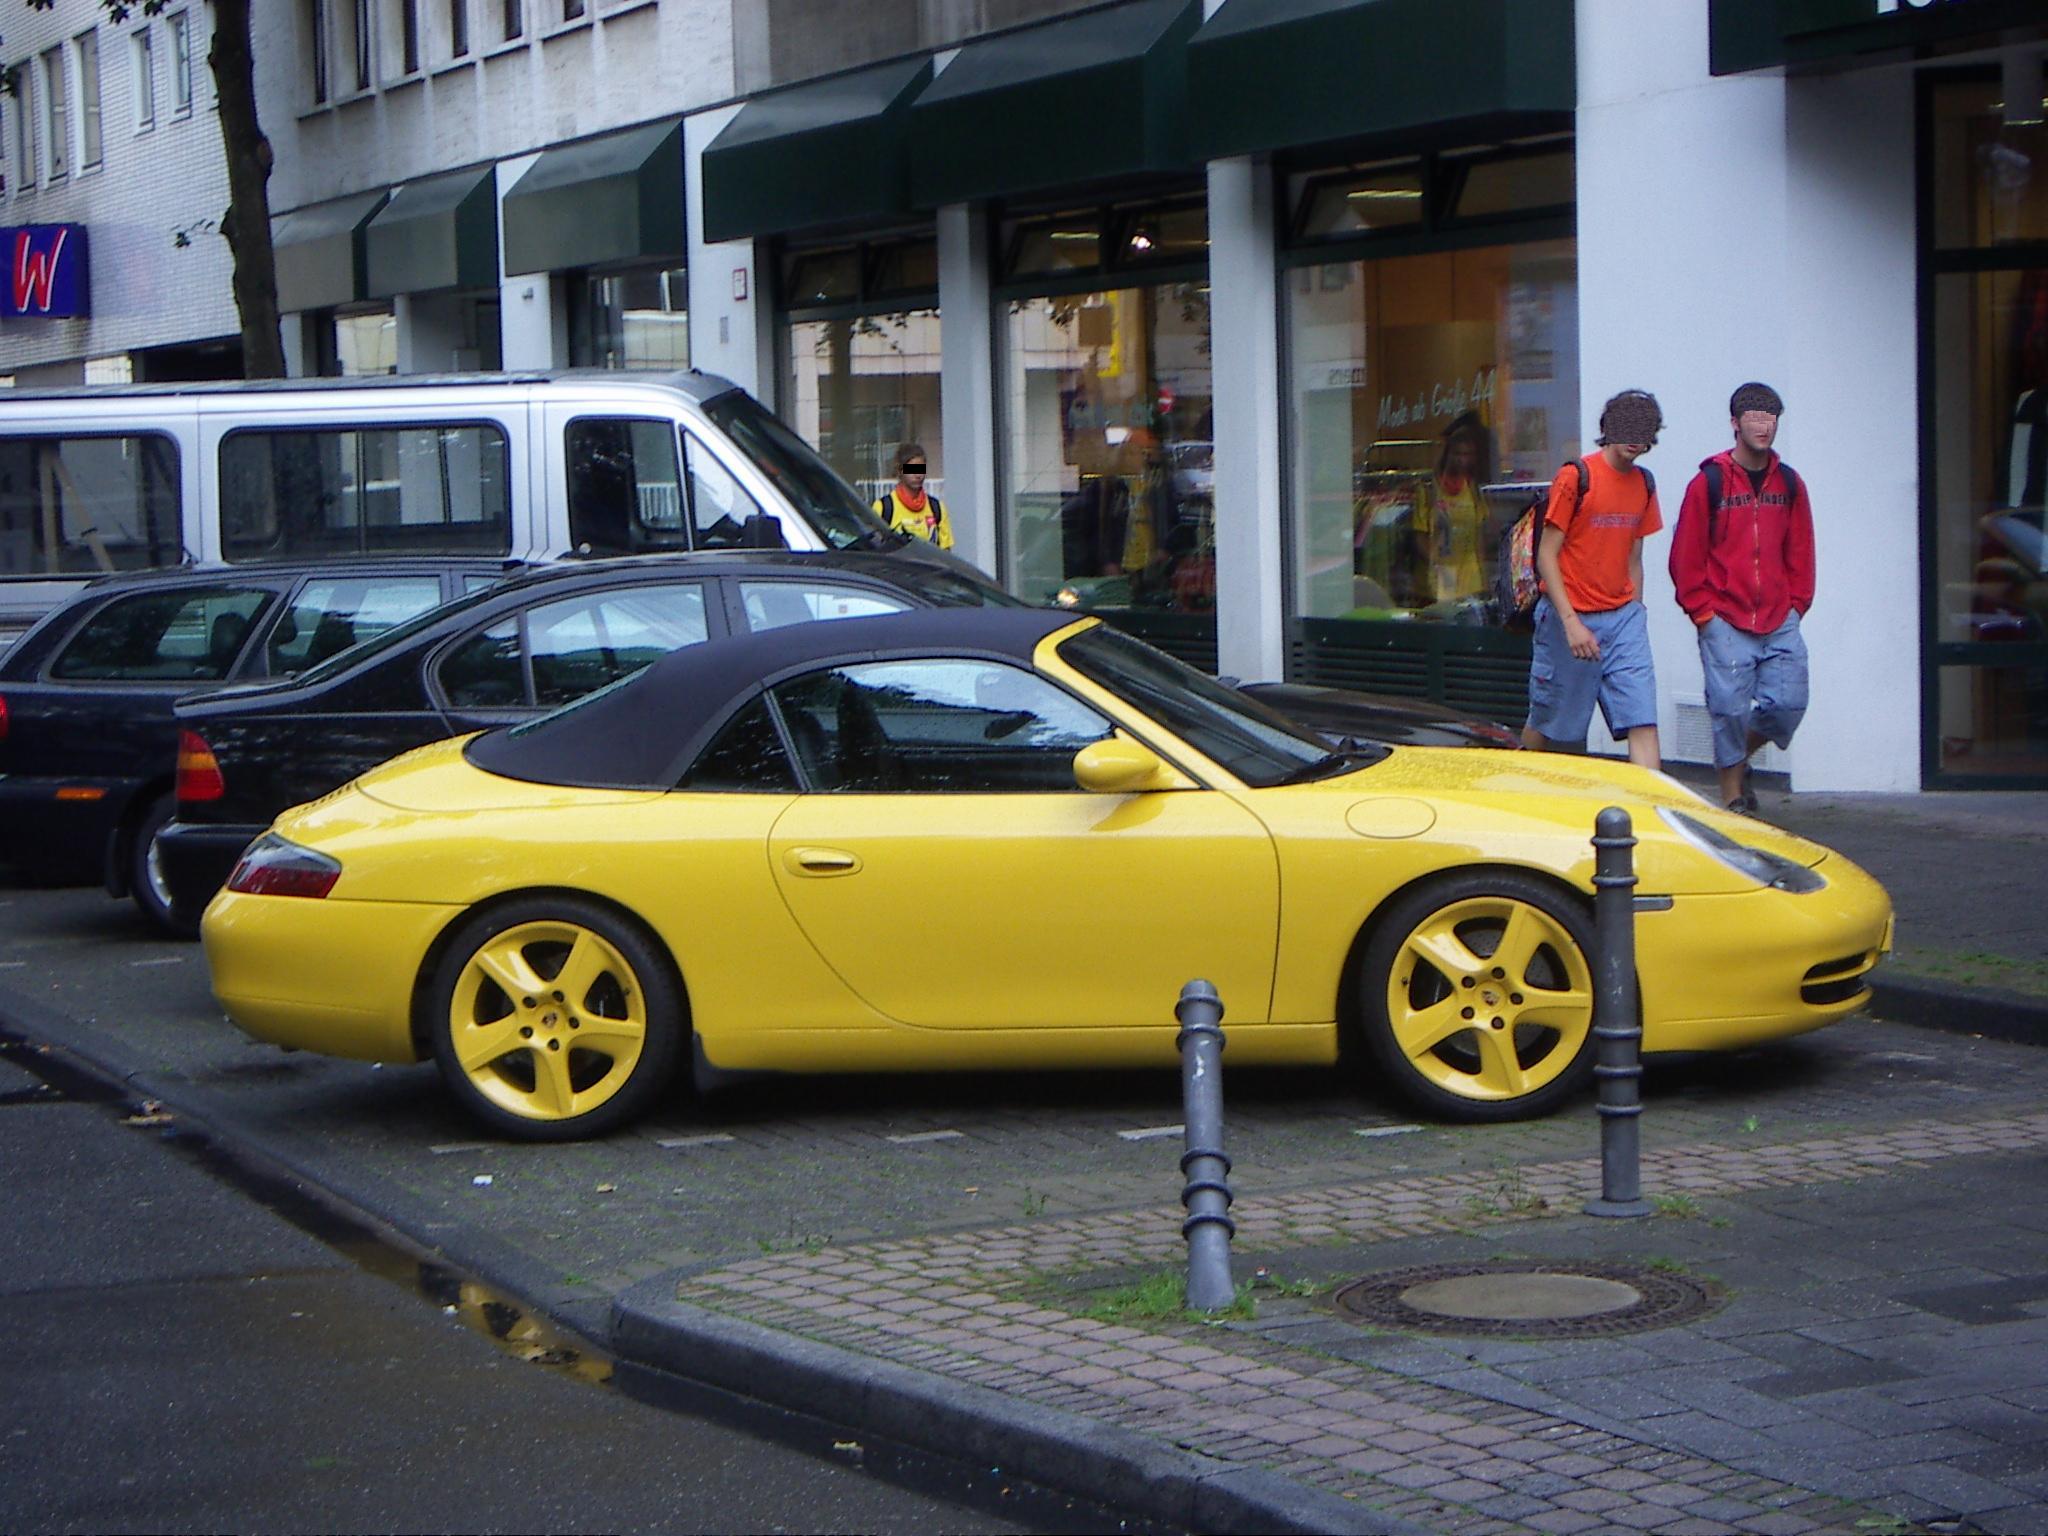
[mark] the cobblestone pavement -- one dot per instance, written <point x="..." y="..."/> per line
<point x="1865" y="1204"/>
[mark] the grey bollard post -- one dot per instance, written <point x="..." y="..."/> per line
<point x="1617" y="1036"/>
<point x="1208" y="1228"/>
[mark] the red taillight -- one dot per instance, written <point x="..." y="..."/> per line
<point x="274" y="867"/>
<point x="3" y="717"/>
<point x="198" y="771"/>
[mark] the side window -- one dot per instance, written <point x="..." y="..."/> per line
<point x="746" y="756"/>
<point x="80" y="504"/>
<point x="719" y="504"/>
<point x="948" y="725"/>
<point x="329" y="615"/>
<point x="484" y="671"/>
<point x="585" y="642"/>
<point x="625" y="486"/>
<point x="772" y="604"/>
<point x="173" y="636"/>
<point x="378" y="489"/>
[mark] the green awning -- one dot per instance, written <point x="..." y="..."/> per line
<point x="436" y="232"/>
<point x="319" y="252"/>
<point x="1284" y="74"/>
<point x="1763" y="34"/>
<point x="1082" y="99"/>
<point x="832" y="152"/>
<point x="599" y="202"/>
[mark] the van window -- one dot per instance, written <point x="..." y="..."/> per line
<point x="71" y="505"/>
<point x="793" y="467"/>
<point x="353" y="490"/>
<point x="190" y="635"/>
<point x="331" y="614"/>
<point x="625" y="489"/>
<point x="719" y="504"/>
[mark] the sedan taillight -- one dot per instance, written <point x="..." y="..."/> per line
<point x="198" y="770"/>
<point x="274" y="867"/>
<point x="3" y="717"/>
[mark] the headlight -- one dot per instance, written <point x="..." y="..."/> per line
<point x="1764" y="868"/>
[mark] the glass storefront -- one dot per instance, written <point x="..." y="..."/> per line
<point x="1988" y="373"/>
<point x="861" y="358"/>
<point x="633" y="319"/>
<point x="1108" y="474"/>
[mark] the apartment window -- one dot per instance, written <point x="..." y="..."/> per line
<point x="515" y="19"/>
<point x="316" y="28"/>
<point x="88" y="46"/>
<point x="458" y="28"/>
<point x="180" y="25"/>
<point x="3" y="150"/>
<point x="24" y="126"/>
<point x="142" y="59"/>
<point x="409" y="36"/>
<point x="359" y="40"/>
<point x="572" y="10"/>
<point x="56" y="114"/>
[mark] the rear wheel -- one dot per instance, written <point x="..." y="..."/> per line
<point x="146" y="872"/>
<point x="553" y="1019"/>
<point x="1476" y="996"/>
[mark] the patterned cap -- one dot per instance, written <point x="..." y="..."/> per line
<point x="1755" y="397"/>
<point x="1633" y="416"/>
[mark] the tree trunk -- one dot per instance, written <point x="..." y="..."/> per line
<point x="247" y="221"/>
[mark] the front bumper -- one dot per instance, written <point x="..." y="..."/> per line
<point x="197" y="857"/>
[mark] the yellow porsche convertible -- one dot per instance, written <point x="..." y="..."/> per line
<point x="981" y="838"/>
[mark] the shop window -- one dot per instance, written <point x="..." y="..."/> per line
<point x="1991" y="179"/>
<point x="1432" y="399"/>
<point x="1360" y="201"/>
<point x="1052" y="245"/>
<point x="1500" y="188"/>
<point x="822" y="277"/>
<point x="634" y="319"/>
<point x="861" y="386"/>
<point x="1110" y="492"/>
<point x="358" y="344"/>
<point x="75" y="505"/>
<point x="904" y="266"/>
<point x="1119" y="237"/>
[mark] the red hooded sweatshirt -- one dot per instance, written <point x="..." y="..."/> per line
<point x="1757" y="560"/>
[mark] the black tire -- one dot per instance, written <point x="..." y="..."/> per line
<point x="1438" y="1004"/>
<point x="145" y="876"/>
<point x="564" y="1086"/>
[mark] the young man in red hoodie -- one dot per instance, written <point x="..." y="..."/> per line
<point x="1742" y="563"/>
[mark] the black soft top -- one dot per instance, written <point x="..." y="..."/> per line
<point x="640" y="734"/>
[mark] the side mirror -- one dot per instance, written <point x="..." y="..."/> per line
<point x="762" y="531"/>
<point x="1118" y="765"/>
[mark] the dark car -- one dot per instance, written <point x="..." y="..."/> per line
<point x="550" y="635"/>
<point x="88" y="746"/>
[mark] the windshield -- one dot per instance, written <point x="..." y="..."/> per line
<point x="811" y="485"/>
<point x="1260" y="747"/>
<point x="396" y="635"/>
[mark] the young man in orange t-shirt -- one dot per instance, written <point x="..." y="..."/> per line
<point x="1592" y="640"/>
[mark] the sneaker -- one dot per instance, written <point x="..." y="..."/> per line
<point x="1746" y="801"/>
<point x="1742" y="805"/>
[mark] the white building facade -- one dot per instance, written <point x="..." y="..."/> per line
<point x="1248" y="323"/>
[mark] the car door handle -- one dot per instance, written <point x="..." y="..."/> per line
<point x="821" y="861"/>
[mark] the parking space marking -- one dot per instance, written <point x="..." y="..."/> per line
<point x="915" y="1136"/>
<point x="1152" y="1132"/>
<point x="159" y="960"/>
<point x="447" y="1147"/>
<point x="1385" y="1130"/>
<point x="678" y="1143"/>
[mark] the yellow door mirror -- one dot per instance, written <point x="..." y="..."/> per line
<point x="1118" y="765"/>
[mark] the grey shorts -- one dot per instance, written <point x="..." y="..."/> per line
<point x="1756" y="684"/>
<point x="1622" y="679"/>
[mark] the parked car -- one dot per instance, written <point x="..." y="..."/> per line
<point x="550" y="635"/>
<point x="985" y="838"/>
<point x="88" y="746"/>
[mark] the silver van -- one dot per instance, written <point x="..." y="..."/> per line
<point x="530" y="466"/>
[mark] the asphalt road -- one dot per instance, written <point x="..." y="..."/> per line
<point x="181" y="1357"/>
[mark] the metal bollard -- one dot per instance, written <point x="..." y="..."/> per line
<point x="1208" y="1228"/>
<point x="1617" y="1037"/>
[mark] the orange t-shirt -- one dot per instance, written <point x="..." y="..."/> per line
<point x="1600" y="531"/>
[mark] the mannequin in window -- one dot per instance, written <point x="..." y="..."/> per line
<point x="1450" y="521"/>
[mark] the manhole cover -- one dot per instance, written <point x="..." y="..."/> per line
<point x="1541" y="1301"/>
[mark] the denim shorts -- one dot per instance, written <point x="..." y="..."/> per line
<point x="1756" y="685"/>
<point x="1622" y="679"/>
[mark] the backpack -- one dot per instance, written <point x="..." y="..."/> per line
<point x="1517" y="584"/>
<point x="886" y="511"/>
<point x="1711" y="471"/>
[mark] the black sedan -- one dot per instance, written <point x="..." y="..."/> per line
<point x="88" y="747"/>
<point x="550" y="635"/>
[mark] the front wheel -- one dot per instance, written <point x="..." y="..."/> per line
<point x="1476" y="996"/>
<point x="553" y="1019"/>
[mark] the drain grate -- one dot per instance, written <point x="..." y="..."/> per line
<point x="1528" y="1301"/>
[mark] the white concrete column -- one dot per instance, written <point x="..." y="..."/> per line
<point x="1244" y="341"/>
<point x="967" y="386"/>
<point x="531" y="334"/>
<point x="732" y="328"/>
<point x="297" y="344"/>
<point x="429" y="331"/>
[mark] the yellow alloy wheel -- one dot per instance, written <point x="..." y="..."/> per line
<point x="554" y="1019"/>
<point x="1479" y="996"/>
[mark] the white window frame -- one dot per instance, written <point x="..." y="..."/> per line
<point x="56" y="116"/>
<point x="27" y="173"/>
<point x="142" y="76"/>
<point x="180" y="25"/>
<point x="92" y="137"/>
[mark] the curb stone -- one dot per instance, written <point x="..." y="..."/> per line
<point x="1076" y="1455"/>
<point x="1996" y="1015"/>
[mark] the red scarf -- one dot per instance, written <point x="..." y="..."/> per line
<point x="910" y="503"/>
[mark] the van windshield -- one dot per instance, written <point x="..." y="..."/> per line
<point x="811" y="485"/>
